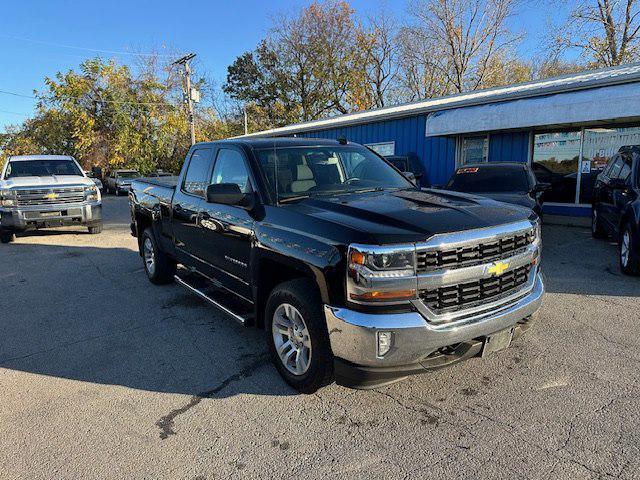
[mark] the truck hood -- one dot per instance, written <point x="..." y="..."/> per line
<point x="516" y="198"/>
<point x="44" y="182"/>
<point x="405" y="215"/>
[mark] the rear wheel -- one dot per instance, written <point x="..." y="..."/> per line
<point x="159" y="267"/>
<point x="596" y="225"/>
<point x="297" y="336"/>
<point x="629" y="257"/>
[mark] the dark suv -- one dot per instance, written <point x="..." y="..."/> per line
<point x="616" y="206"/>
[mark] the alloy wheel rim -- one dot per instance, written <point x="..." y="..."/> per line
<point x="149" y="256"/>
<point x="624" y="248"/>
<point x="292" y="339"/>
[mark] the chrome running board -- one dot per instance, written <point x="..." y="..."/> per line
<point x="206" y="293"/>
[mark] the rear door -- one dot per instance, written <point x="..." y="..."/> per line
<point x="188" y="203"/>
<point x="228" y="229"/>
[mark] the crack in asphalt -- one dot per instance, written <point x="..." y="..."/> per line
<point x="167" y="422"/>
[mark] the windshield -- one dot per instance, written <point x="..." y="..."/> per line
<point x="41" y="168"/>
<point x="127" y="174"/>
<point x="300" y="172"/>
<point x="489" y="179"/>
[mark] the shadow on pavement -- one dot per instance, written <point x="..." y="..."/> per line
<point x="89" y="314"/>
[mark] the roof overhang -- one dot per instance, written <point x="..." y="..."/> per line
<point x="619" y="102"/>
<point x="566" y="83"/>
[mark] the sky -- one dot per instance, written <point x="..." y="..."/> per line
<point x="41" y="37"/>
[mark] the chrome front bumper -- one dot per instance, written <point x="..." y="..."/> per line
<point x="353" y="335"/>
<point x="23" y="218"/>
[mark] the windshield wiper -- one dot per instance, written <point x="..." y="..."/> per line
<point x="293" y="199"/>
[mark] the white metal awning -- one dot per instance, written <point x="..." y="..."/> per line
<point x="593" y="105"/>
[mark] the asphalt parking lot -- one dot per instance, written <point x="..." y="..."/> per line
<point x="104" y="375"/>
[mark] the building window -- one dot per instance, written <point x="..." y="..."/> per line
<point x="385" y="149"/>
<point x="600" y="144"/>
<point x="555" y="161"/>
<point x="474" y="149"/>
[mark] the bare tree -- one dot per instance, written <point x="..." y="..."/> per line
<point x="605" y="32"/>
<point x="420" y="65"/>
<point x="378" y="54"/>
<point x="467" y="35"/>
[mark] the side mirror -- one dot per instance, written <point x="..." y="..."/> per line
<point x="541" y="187"/>
<point x="411" y="177"/>
<point x="225" y="193"/>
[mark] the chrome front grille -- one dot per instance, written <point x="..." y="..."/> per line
<point x="49" y="196"/>
<point x="467" y="255"/>
<point x="467" y="294"/>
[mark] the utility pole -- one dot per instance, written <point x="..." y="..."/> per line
<point x="184" y="61"/>
<point x="246" y="121"/>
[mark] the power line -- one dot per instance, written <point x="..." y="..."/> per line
<point x="22" y="95"/>
<point x="14" y="113"/>
<point x="86" y="49"/>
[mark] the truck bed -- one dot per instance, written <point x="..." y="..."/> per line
<point x="170" y="182"/>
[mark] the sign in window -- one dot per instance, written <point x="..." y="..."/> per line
<point x="386" y="149"/>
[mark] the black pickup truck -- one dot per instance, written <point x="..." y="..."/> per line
<point x="356" y="274"/>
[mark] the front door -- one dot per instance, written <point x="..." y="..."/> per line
<point x="228" y="229"/>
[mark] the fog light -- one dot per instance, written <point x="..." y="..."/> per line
<point x="384" y="343"/>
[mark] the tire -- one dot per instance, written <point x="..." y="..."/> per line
<point x="289" y="303"/>
<point x="158" y="266"/>
<point x="596" y="225"/>
<point x="628" y="255"/>
<point x="117" y="192"/>
<point x="7" y="236"/>
<point x="95" y="229"/>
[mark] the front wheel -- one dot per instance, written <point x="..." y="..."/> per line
<point x="297" y="336"/>
<point x="629" y="257"/>
<point x="158" y="266"/>
<point x="7" y="236"/>
<point x="95" y="229"/>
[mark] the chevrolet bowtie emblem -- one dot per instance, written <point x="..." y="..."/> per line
<point x="498" y="268"/>
<point x="51" y="196"/>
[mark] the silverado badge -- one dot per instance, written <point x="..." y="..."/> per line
<point x="498" y="268"/>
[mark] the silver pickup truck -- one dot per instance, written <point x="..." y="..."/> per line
<point x="40" y="191"/>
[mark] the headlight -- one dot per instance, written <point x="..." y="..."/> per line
<point x="381" y="274"/>
<point x="91" y="194"/>
<point x="7" y="198"/>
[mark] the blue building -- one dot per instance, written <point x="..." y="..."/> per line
<point x="566" y="128"/>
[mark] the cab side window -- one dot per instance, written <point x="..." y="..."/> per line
<point x="230" y="167"/>
<point x="616" y="166"/>
<point x="195" y="179"/>
<point x="625" y="170"/>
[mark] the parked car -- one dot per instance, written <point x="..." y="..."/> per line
<point x="354" y="272"/>
<point x="96" y="180"/>
<point x="616" y="206"/>
<point x="502" y="181"/>
<point x="160" y="173"/>
<point x="409" y="164"/>
<point x="40" y="191"/>
<point x="119" y="181"/>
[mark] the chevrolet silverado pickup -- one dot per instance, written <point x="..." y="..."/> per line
<point x="40" y="191"/>
<point x="355" y="274"/>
